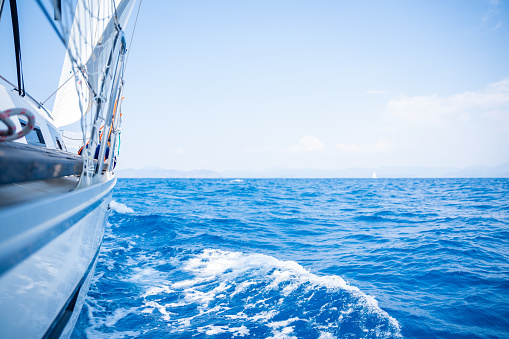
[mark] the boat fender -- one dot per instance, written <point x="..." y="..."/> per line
<point x="11" y="134"/>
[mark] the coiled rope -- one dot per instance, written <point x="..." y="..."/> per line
<point x="10" y="134"/>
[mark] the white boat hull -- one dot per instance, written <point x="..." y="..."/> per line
<point x="48" y="252"/>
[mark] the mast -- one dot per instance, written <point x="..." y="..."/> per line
<point x="17" y="44"/>
<point x="95" y="59"/>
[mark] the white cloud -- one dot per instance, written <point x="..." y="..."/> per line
<point x="175" y="151"/>
<point x="489" y="15"/>
<point x="381" y="146"/>
<point x="497" y="26"/>
<point x="307" y="144"/>
<point x="492" y="15"/>
<point x="493" y="102"/>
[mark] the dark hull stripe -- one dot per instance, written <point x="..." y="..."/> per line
<point x="61" y="320"/>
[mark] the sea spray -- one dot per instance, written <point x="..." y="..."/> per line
<point x="120" y="208"/>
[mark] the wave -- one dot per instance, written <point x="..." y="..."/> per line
<point x="260" y="296"/>
<point x="155" y="280"/>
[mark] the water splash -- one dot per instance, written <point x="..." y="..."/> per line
<point x="120" y="208"/>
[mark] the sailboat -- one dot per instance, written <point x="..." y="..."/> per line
<point x="373" y="176"/>
<point x="54" y="201"/>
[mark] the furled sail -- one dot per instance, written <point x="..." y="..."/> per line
<point x="91" y="41"/>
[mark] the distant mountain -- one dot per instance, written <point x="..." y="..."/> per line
<point x="300" y="173"/>
<point x="501" y="171"/>
<point x="165" y="173"/>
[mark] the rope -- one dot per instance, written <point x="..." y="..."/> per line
<point x="7" y="81"/>
<point x="80" y="139"/>
<point x="52" y="94"/>
<point x="132" y="36"/>
<point x="10" y="134"/>
<point x="117" y="24"/>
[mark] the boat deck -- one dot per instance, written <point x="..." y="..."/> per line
<point x="29" y="173"/>
<point x="23" y="163"/>
<point x="17" y="193"/>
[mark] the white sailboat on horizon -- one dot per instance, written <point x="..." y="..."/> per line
<point x="373" y="176"/>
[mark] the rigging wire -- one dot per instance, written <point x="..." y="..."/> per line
<point x="116" y="16"/>
<point x="7" y="81"/>
<point x="132" y="36"/>
<point x="65" y="43"/>
<point x="52" y="94"/>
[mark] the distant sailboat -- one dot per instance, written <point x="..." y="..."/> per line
<point x="373" y="176"/>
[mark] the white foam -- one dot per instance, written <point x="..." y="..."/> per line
<point x="212" y="263"/>
<point x="239" y="315"/>
<point x="151" y="305"/>
<point x="108" y="262"/>
<point x="120" y="208"/>
<point x="190" y="282"/>
<point x="283" y="334"/>
<point x="242" y="287"/>
<point x="157" y="290"/>
<point x="186" y="322"/>
<point x="118" y="314"/>
<point x="264" y="315"/>
<point x="211" y="330"/>
<point x="108" y="321"/>
<point x="143" y="275"/>
<point x="93" y="333"/>
<point x="239" y="331"/>
<point x="284" y="323"/>
<point x="238" y="272"/>
<point x="236" y="180"/>
<point x="195" y="295"/>
<point x="177" y="304"/>
<point x="252" y="289"/>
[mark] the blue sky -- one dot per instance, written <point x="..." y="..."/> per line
<point x="302" y="84"/>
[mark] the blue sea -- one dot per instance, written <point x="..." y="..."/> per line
<point x="303" y="258"/>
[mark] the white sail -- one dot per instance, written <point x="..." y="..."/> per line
<point x="90" y="43"/>
<point x="373" y="176"/>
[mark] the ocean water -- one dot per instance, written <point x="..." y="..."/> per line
<point x="303" y="258"/>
